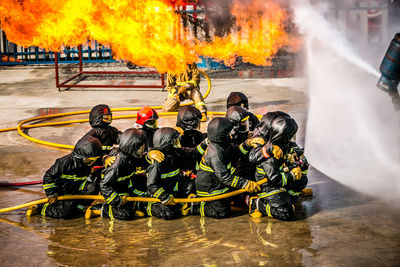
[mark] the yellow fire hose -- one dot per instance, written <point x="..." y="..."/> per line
<point x="141" y="199"/>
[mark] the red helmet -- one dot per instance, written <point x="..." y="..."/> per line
<point x="146" y="114"/>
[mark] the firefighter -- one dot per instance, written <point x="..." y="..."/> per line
<point x="239" y="117"/>
<point x="188" y="119"/>
<point x="124" y="178"/>
<point x="286" y="177"/>
<point x="215" y="175"/>
<point x="240" y="99"/>
<point x="100" y="118"/>
<point x="185" y="86"/>
<point x="71" y="174"/>
<point x="164" y="180"/>
<point x="264" y="126"/>
<point x="147" y="121"/>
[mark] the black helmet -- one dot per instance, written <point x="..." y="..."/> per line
<point x="87" y="146"/>
<point x="164" y="138"/>
<point x="188" y="118"/>
<point x="239" y="117"/>
<point x="282" y="130"/>
<point x="218" y="130"/>
<point x="130" y="141"/>
<point x="237" y="99"/>
<point x="96" y="115"/>
<point x="266" y="121"/>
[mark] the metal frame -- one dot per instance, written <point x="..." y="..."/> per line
<point x="65" y="84"/>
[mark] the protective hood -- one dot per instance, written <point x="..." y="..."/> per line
<point x="218" y="130"/>
<point x="188" y="118"/>
<point x="130" y="141"/>
<point x="236" y="114"/>
<point x="237" y="99"/>
<point x="87" y="146"/>
<point x="282" y="130"/>
<point x="96" y="115"/>
<point x="163" y="138"/>
<point x="266" y="121"/>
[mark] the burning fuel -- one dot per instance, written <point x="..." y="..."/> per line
<point x="148" y="32"/>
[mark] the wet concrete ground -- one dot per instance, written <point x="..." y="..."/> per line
<point x="337" y="227"/>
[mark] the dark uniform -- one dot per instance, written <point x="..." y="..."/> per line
<point x="71" y="176"/>
<point x="275" y="199"/>
<point x="188" y="119"/>
<point x="240" y="99"/>
<point x="101" y="129"/>
<point x="215" y="176"/>
<point x="146" y="121"/>
<point x="164" y="180"/>
<point x="125" y="177"/>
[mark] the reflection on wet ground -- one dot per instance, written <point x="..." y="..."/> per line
<point x="338" y="226"/>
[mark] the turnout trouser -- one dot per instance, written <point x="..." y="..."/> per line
<point x="126" y="212"/>
<point x="275" y="203"/>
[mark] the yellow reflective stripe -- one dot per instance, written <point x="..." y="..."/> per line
<point x="284" y="179"/>
<point x="193" y="82"/>
<point x="181" y="83"/>
<point x="130" y="184"/>
<point x="304" y="172"/>
<point x="200" y="149"/>
<point x="292" y="193"/>
<point x="233" y="170"/>
<point x="245" y="118"/>
<point x="200" y="104"/>
<point x="267" y="194"/>
<point x="244" y="151"/>
<point x="111" y="198"/>
<point x="125" y="177"/>
<point x="176" y="187"/>
<point x="170" y="174"/>
<point x="82" y="186"/>
<point x="149" y="208"/>
<point x="235" y="181"/>
<point x="148" y="160"/>
<point x="72" y="177"/>
<point x="205" y="168"/>
<point x="268" y="209"/>
<point x="159" y="192"/>
<point x="110" y="213"/>
<point x="138" y="192"/>
<point x="213" y="193"/>
<point x="47" y="186"/>
<point x="107" y="147"/>
<point x="202" y="208"/>
<point x="260" y="170"/>
<point x="229" y="165"/>
<point x="43" y="212"/>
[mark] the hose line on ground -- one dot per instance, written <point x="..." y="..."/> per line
<point x="138" y="199"/>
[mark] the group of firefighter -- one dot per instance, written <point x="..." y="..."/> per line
<point x="237" y="152"/>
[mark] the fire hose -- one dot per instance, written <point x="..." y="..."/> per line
<point x="138" y="199"/>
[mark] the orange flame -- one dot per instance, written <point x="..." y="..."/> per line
<point x="144" y="32"/>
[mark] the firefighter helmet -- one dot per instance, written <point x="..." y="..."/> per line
<point x="146" y="114"/>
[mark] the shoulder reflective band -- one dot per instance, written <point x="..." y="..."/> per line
<point x="170" y="174"/>
<point x="213" y="193"/>
<point x="245" y="118"/>
<point x="205" y="168"/>
<point x="111" y="198"/>
<point x="73" y="177"/>
<point x="267" y="194"/>
<point x="159" y="192"/>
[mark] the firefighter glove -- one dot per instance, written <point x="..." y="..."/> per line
<point x="252" y="187"/>
<point x="277" y="152"/>
<point x="169" y="201"/>
<point x="156" y="155"/>
<point x="124" y="199"/>
<point x="52" y="198"/>
<point x="254" y="142"/>
<point x="296" y="173"/>
<point x="108" y="160"/>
